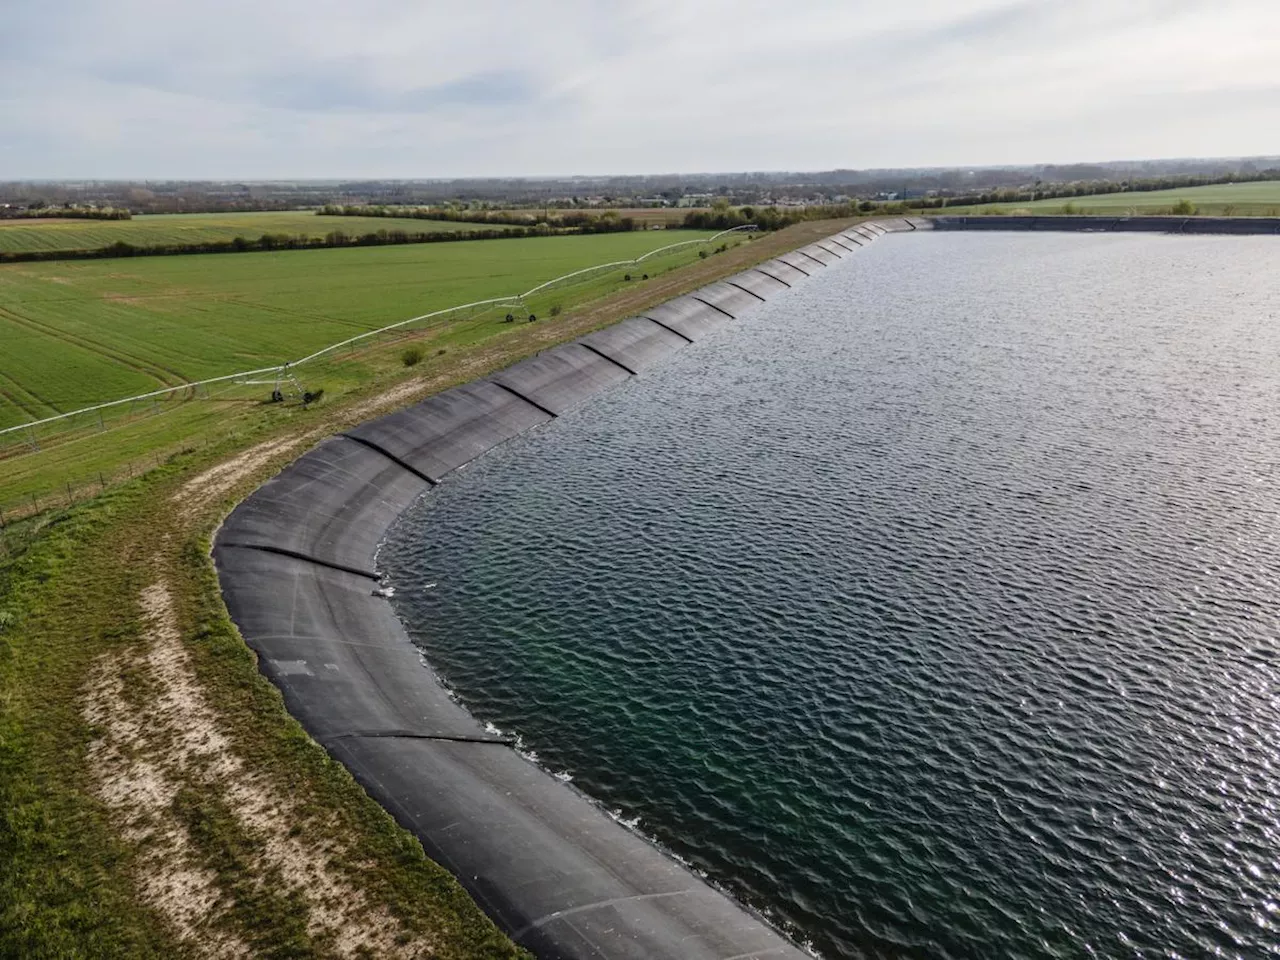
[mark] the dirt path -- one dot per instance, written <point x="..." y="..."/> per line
<point x="160" y="747"/>
<point x="213" y="484"/>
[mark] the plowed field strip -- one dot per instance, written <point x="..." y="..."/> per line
<point x="25" y="400"/>
<point x="163" y="375"/>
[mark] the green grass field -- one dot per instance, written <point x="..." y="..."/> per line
<point x="1223" y="199"/>
<point x="24" y="235"/>
<point x="83" y="332"/>
<point x="119" y="665"/>
<point x="77" y="333"/>
<point x="649" y="216"/>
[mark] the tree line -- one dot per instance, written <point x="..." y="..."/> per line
<point x="574" y="220"/>
<point x="1088" y="188"/>
<point x="66" y="212"/>
<point x="271" y="241"/>
<point x="724" y="217"/>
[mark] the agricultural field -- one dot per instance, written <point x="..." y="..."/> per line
<point x="177" y="228"/>
<point x="106" y="329"/>
<point x="1258" y="199"/>
<point x="113" y="630"/>
<point x="83" y="332"/>
<point x="649" y="216"/>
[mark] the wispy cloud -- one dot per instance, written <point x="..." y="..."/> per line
<point x="243" y="88"/>
<point x="330" y="89"/>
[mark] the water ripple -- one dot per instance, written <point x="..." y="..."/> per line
<point x="929" y="608"/>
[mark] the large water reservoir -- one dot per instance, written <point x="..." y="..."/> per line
<point x="930" y="608"/>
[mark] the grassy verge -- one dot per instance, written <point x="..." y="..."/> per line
<point x="84" y="333"/>
<point x="156" y="799"/>
<point x="1255" y="199"/>
<point x="21" y="236"/>
<point x="77" y="851"/>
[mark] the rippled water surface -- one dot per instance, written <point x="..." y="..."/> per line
<point x="931" y="607"/>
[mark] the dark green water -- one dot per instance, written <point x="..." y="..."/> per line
<point x="931" y="608"/>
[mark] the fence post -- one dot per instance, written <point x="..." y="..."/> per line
<point x="35" y="503"/>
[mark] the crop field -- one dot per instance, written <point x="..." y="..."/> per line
<point x="84" y="332"/>
<point x="649" y="216"/>
<point x="1222" y="199"/>
<point x="162" y="229"/>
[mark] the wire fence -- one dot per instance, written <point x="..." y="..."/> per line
<point x="177" y="413"/>
<point x="72" y="492"/>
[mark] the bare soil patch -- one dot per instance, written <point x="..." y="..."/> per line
<point x="212" y="484"/>
<point x="157" y="735"/>
<point x="32" y="221"/>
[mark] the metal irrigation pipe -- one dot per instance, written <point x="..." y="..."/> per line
<point x="372" y="333"/>
<point x="640" y="259"/>
<point x="141" y="396"/>
<point x="576" y="273"/>
<point x="391" y="326"/>
<point x="748" y="227"/>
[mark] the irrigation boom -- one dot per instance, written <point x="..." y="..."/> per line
<point x="294" y="364"/>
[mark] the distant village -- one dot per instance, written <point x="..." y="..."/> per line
<point x="924" y="187"/>
<point x="164" y="198"/>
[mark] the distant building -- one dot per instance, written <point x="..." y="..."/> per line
<point x="695" y="200"/>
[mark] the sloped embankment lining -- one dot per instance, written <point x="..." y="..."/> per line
<point x="295" y="561"/>
<point x="1224" y="225"/>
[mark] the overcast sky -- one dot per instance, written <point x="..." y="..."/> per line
<point x="421" y="88"/>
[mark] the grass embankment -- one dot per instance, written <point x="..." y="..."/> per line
<point x="155" y="797"/>
<point x="179" y="228"/>
<point x="649" y="216"/>
<point x="87" y="332"/>
<point x="1260" y="199"/>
